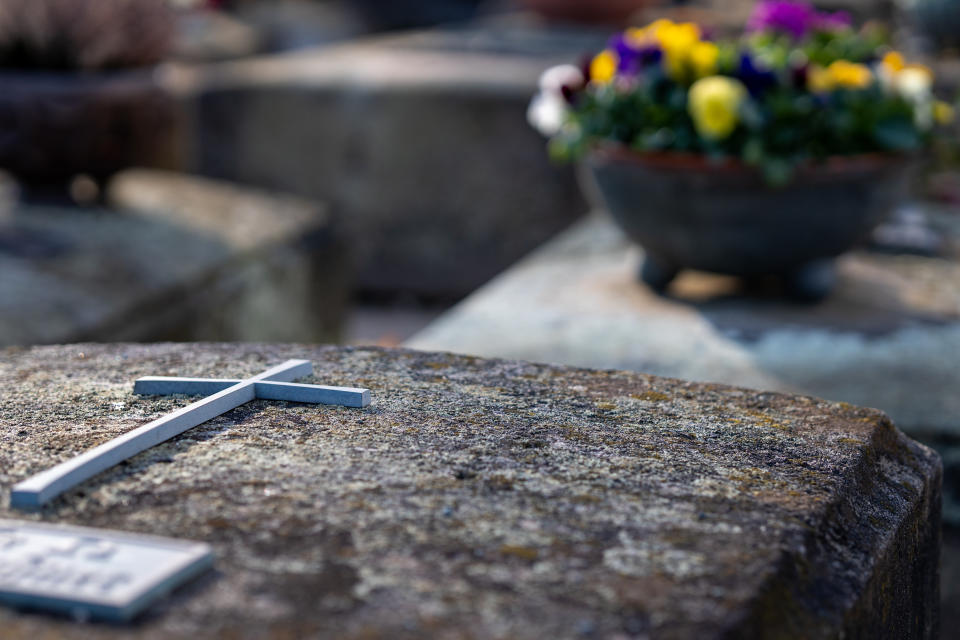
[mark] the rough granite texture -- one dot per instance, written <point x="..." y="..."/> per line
<point x="489" y="499"/>
<point x="887" y="337"/>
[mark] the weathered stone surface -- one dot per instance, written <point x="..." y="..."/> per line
<point x="419" y="143"/>
<point x="487" y="498"/>
<point x="887" y="338"/>
<point x="175" y="257"/>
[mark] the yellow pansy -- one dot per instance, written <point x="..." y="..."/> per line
<point x="656" y="26"/>
<point x="641" y="36"/>
<point x="677" y="33"/>
<point x="850" y="75"/>
<point x="893" y="62"/>
<point x="603" y="67"/>
<point x="703" y="59"/>
<point x="943" y="113"/>
<point x="714" y="104"/>
<point x="637" y="36"/>
<point x="677" y="41"/>
<point x="910" y="80"/>
<point x="819" y="80"/>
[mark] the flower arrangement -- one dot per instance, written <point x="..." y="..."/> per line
<point x="798" y="86"/>
<point x="80" y="94"/>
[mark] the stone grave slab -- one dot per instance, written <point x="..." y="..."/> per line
<point x="887" y="338"/>
<point x="91" y="573"/>
<point x="418" y="141"/>
<point x="172" y="257"/>
<point x="501" y="497"/>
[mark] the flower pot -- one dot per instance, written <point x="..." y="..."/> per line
<point x="688" y="213"/>
<point x="54" y="126"/>
<point x="592" y="11"/>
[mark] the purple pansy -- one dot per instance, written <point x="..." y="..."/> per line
<point x="834" y="21"/>
<point x="632" y="59"/>
<point x="756" y="78"/>
<point x="794" y="18"/>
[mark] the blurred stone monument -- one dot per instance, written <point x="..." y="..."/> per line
<point x="171" y="258"/>
<point x="418" y="141"/>
<point x="82" y="90"/>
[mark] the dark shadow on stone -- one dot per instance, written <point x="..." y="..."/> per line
<point x="746" y="310"/>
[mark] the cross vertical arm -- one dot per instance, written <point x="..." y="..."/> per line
<point x="36" y="490"/>
<point x="33" y="492"/>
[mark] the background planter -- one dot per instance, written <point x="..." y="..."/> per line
<point x="940" y="20"/>
<point x="688" y="213"/>
<point x="54" y="126"/>
<point x="390" y="14"/>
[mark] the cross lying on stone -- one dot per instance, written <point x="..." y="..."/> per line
<point x="273" y="384"/>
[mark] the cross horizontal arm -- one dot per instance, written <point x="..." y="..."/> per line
<point x="314" y="393"/>
<point x="265" y="390"/>
<point x="168" y="386"/>
<point x="161" y="386"/>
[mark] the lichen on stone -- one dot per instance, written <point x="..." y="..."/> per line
<point x="486" y="498"/>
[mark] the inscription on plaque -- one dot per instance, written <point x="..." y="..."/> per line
<point x="91" y="573"/>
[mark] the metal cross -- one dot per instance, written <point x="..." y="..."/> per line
<point x="273" y="384"/>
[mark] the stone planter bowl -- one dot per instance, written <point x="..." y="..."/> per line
<point x="688" y="213"/>
<point x="54" y="126"/>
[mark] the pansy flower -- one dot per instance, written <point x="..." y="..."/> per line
<point x="603" y="67"/>
<point x="633" y="54"/>
<point x="850" y="75"/>
<point x="704" y="58"/>
<point x="794" y="18"/>
<point x="755" y="77"/>
<point x="714" y="106"/>
<point x="797" y="19"/>
<point x="836" y="21"/>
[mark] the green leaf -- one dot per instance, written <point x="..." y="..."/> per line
<point x="777" y="171"/>
<point x="753" y="153"/>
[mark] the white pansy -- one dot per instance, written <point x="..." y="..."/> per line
<point x="546" y="113"/>
<point x="548" y="109"/>
<point x="916" y="85"/>
<point x="555" y="78"/>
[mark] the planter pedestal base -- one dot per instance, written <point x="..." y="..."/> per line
<point x="811" y="282"/>
<point x="657" y="274"/>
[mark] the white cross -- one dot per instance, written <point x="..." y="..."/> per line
<point x="273" y="384"/>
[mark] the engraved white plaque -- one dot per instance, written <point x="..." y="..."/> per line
<point x="92" y="573"/>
